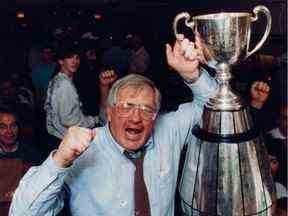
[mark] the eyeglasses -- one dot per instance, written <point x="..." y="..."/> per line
<point x="125" y="109"/>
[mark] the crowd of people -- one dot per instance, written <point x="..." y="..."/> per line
<point x="90" y="111"/>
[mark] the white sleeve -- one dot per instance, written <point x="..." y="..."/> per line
<point x="69" y="108"/>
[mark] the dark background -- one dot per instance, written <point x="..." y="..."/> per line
<point x="152" y="18"/>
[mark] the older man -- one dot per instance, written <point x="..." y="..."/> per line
<point x="106" y="176"/>
<point x="16" y="156"/>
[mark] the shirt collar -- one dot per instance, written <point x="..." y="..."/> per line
<point x="65" y="76"/>
<point x="14" y="150"/>
<point x="149" y="144"/>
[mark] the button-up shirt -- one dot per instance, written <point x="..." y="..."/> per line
<point x="100" y="181"/>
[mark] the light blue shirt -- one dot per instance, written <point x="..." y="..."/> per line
<point x="100" y="181"/>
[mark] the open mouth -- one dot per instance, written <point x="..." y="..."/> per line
<point x="10" y="139"/>
<point x="134" y="131"/>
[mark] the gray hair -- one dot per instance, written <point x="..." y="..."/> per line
<point x="133" y="80"/>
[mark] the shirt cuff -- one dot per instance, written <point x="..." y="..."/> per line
<point x="53" y="168"/>
<point x="212" y="63"/>
<point x="204" y="84"/>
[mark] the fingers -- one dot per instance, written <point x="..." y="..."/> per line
<point x="183" y="48"/>
<point x="169" y="54"/>
<point x="180" y="37"/>
<point x="261" y="86"/>
<point x="107" y="77"/>
<point x="178" y="48"/>
<point x="79" y="139"/>
<point x="107" y="74"/>
<point x="184" y="57"/>
<point x="75" y="142"/>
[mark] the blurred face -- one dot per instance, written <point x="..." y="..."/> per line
<point x="91" y="55"/>
<point x="48" y="55"/>
<point x="70" y="65"/>
<point x="6" y="88"/>
<point x="133" y="128"/>
<point x="8" y="129"/>
<point x="274" y="164"/>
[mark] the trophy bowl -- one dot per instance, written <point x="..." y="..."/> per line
<point x="225" y="38"/>
<point x="226" y="35"/>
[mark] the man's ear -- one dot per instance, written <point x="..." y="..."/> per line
<point x="60" y="62"/>
<point x="109" y="113"/>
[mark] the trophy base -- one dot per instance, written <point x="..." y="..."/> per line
<point x="234" y="121"/>
<point x="227" y="171"/>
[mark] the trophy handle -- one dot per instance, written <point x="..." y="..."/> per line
<point x="266" y="11"/>
<point x="179" y="17"/>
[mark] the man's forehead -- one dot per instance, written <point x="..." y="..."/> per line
<point x="134" y="89"/>
<point x="127" y="93"/>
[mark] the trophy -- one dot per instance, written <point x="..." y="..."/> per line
<point x="227" y="172"/>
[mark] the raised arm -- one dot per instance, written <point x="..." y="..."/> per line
<point x="184" y="58"/>
<point x="107" y="78"/>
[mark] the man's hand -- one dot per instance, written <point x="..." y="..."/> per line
<point x="107" y="78"/>
<point x="184" y="58"/>
<point x="259" y="94"/>
<point x="74" y="143"/>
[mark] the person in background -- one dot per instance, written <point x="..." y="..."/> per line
<point x="114" y="55"/>
<point x="43" y="72"/>
<point x="140" y="61"/>
<point x="131" y="165"/>
<point x="87" y="78"/>
<point x="17" y="155"/>
<point x="281" y="190"/>
<point x="62" y="105"/>
<point x="13" y="91"/>
<point x="276" y="138"/>
<point x="280" y="130"/>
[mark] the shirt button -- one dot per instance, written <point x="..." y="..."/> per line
<point x="123" y="203"/>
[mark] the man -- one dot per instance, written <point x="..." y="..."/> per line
<point x="14" y="92"/>
<point x="11" y="144"/>
<point x="16" y="156"/>
<point x="102" y="177"/>
<point x="62" y="106"/>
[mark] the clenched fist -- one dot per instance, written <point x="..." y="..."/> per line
<point x="74" y="143"/>
<point x="107" y="78"/>
<point x="259" y="94"/>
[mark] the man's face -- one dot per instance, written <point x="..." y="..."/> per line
<point x="132" y="131"/>
<point x="91" y="55"/>
<point x="70" y="65"/>
<point x="8" y="129"/>
<point x="274" y="164"/>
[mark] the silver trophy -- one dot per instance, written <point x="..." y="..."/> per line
<point x="227" y="172"/>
